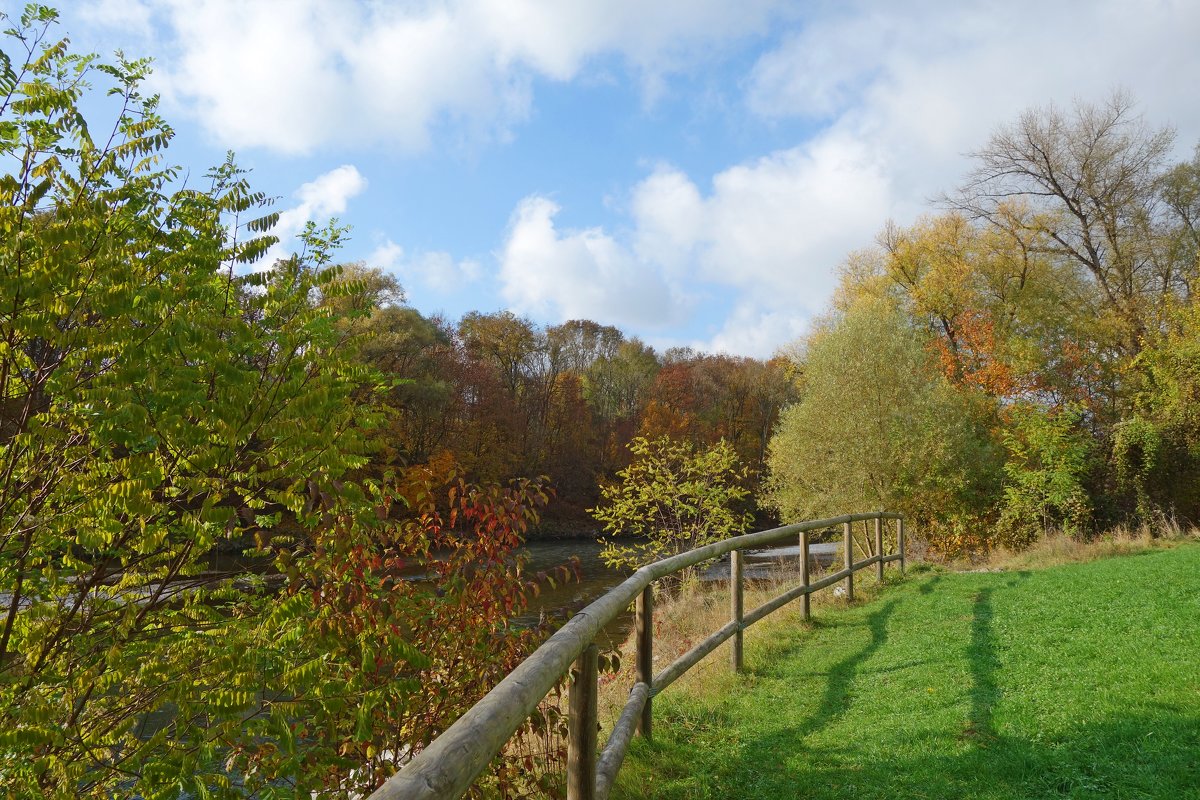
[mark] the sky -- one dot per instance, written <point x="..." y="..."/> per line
<point x="690" y="171"/>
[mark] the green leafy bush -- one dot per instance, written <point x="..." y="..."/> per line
<point x="1049" y="455"/>
<point x="673" y="497"/>
<point x="159" y="400"/>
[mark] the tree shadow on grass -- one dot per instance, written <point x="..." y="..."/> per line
<point x="687" y="771"/>
<point x="927" y="587"/>
<point x="838" y="696"/>
<point x="1139" y="756"/>
<point x="984" y="663"/>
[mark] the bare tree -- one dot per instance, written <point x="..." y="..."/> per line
<point x="1084" y="186"/>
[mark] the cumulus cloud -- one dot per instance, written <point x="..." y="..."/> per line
<point x="753" y="329"/>
<point x="294" y="75"/>
<point x="131" y="16"/>
<point x="923" y="84"/>
<point x="435" y="271"/>
<point x="440" y="272"/>
<point x="328" y="195"/>
<point x="386" y="256"/>
<point x="777" y="226"/>
<point x="768" y="232"/>
<point x="567" y="274"/>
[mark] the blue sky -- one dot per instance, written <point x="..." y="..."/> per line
<point x="692" y="171"/>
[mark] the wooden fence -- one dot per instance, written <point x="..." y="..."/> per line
<point x="450" y="764"/>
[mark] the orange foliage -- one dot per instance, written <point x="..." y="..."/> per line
<point x="971" y="358"/>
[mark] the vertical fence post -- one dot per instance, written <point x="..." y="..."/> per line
<point x="735" y="606"/>
<point x="900" y="541"/>
<point x="645" y="652"/>
<point x="848" y="536"/>
<point x="805" y="604"/>
<point x="581" y="726"/>
<point x="879" y="548"/>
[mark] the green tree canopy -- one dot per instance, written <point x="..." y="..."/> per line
<point x="877" y="426"/>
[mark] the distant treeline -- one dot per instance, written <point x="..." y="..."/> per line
<point x="505" y="397"/>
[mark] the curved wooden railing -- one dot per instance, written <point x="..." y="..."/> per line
<point x="450" y="764"/>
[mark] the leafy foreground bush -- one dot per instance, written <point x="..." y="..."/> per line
<point x="156" y="404"/>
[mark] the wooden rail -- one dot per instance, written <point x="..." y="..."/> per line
<point x="450" y="764"/>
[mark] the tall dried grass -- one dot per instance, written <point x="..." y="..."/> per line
<point x="1058" y="548"/>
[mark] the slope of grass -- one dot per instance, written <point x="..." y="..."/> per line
<point x="1074" y="681"/>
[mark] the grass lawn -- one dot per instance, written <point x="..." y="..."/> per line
<point x="1073" y="681"/>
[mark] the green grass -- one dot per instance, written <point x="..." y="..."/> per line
<point x="1075" y="681"/>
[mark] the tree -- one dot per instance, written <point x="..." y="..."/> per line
<point x="1090" y="185"/>
<point x="1004" y="315"/>
<point x="155" y="403"/>
<point x="705" y="398"/>
<point x="1049" y="456"/>
<point x="673" y="496"/>
<point x="878" y="427"/>
<point x="1156" y="450"/>
<point x="1180" y="188"/>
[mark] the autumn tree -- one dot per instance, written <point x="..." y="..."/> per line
<point x="1089" y="187"/>
<point x="162" y="394"/>
<point x="1005" y="317"/>
<point x="709" y="397"/>
<point x="156" y="402"/>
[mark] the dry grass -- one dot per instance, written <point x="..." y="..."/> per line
<point x="1058" y="548"/>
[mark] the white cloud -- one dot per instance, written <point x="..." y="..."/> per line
<point x="441" y="272"/>
<point x="436" y="271"/>
<point x="296" y="75"/>
<point x="751" y="330"/>
<point x="130" y="16"/>
<point x="778" y="226"/>
<point x="580" y="274"/>
<point x="923" y="84"/>
<point x="768" y="233"/>
<point x="326" y="196"/>
<point x="387" y="256"/>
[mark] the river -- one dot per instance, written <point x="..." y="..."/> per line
<point x="596" y="578"/>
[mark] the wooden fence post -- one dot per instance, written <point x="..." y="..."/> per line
<point x="805" y="602"/>
<point x="735" y="606"/>
<point x="848" y="536"/>
<point x="879" y="548"/>
<point x="900" y="541"/>
<point x="581" y="726"/>
<point x="644" y="623"/>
